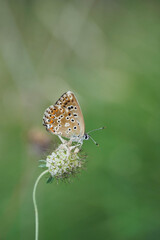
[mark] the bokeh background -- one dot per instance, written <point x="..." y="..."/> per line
<point x="108" y="54"/>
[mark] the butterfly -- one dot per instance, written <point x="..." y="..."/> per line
<point x="65" y="119"/>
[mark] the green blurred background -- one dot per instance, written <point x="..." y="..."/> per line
<point x="108" y="54"/>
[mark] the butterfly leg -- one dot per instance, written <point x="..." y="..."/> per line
<point x="75" y="146"/>
<point x="62" y="140"/>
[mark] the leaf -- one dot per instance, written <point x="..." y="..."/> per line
<point x="42" y="165"/>
<point x="50" y="179"/>
<point x="42" y="160"/>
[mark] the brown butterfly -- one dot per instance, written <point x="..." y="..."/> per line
<point x="65" y="119"/>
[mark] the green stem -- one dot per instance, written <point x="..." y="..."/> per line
<point x="35" y="204"/>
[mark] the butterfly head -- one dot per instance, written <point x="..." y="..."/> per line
<point x="86" y="136"/>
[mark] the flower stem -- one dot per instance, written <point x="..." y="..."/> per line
<point x="35" y="204"/>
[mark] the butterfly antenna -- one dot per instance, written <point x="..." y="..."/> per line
<point x="94" y="141"/>
<point x="96" y="129"/>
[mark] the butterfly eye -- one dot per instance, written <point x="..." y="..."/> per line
<point x="86" y="137"/>
<point x="72" y="120"/>
<point x="75" y="128"/>
<point x="75" y="108"/>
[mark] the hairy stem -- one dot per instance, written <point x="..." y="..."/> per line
<point x="35" y="204"/>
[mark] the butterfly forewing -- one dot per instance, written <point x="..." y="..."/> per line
<point x="65" y="118"/>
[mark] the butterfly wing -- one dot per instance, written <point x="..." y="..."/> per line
<point x="65" y="118"/>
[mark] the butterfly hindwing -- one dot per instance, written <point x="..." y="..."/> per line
<point x="65" y="118"/>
